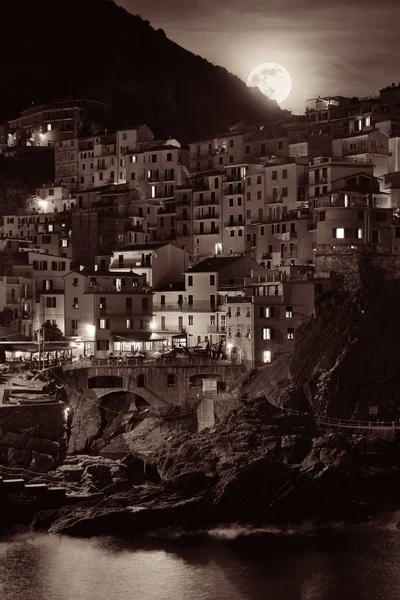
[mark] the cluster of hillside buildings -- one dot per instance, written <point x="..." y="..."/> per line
<point x="140" y="244"/>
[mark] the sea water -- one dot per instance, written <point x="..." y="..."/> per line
<point x="359" y="562"/>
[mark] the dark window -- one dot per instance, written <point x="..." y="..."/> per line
<point x="212" y="279"/>
<point x="322" y="215"/>
<point x="380" y="216"/>
<point x="141" y="380"/>
<point x="171" y="380"/>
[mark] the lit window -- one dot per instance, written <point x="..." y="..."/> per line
<point x="339" y="233"/>
<point x="102" y="323"/>
<point x="367" y="121"/>
<point x="153" y="191"/>
<point x="290" y="333"/>
<point x="48" y="126"/>
<point x="128" y="324"/>
<point x="346" y="200"/>
<point x="118" y="284"/>
<point x="64" y="243"/>
<point x="267" y="356"/>
<point x="266" y="333"/>
<point x="133" y="159"/>
<point x="359" y="234"/>
<point x="289" y="312"/>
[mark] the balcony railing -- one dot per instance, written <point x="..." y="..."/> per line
<point x="289" y="254"/>
<point x="195" y="306"/>
<point x="167" y="211"/>
<point x="206" y="202"/>
<point x="200" y="217"/>
<point x="327" y="202"/>
<point x="211" y="232"/>
<point x="112" y="289"/>
<point x="234" y="223"/>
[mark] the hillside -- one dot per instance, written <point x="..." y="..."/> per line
<point x="96" y="49"/>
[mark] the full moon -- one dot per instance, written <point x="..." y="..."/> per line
<point x="272" y="79"/>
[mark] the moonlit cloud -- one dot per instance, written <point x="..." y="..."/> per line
<point x="344" y="47"/>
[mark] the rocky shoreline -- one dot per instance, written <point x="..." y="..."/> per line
<point x="259" y="466"/>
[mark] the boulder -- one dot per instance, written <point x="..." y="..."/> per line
<point x="245" y="491"/>
<point x="15" y="440"/>
<point x="294" y="448"/>
<point x="135" y="467"/>
<point x="151" y="473"/>
<point x="43" y="446"/>
<point x="119" y="472"/>
<point x="99" y="471"/>
<point x="19" y="458"/>
<point x="72" y="472"/>
<point x="42" y="463"/>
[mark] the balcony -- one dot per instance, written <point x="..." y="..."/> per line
<point x="182" y="202"/>
<point x="112" y="289"/>
<point x="159" y="195"/>
<point x="290" y="216"/>
<point x="231" y="284"/>
<point x="167" y="211"/>
<point x="195" y="306"/>
<point x="233" y="224"/>
<point x="266" y="256"/>
<point x="339" y="202"/>
<point x="211" y="232"/>
<point x="202" y="217"/>
<point x="206" y="202"/>
<point x="234" y="190"/>
<point x="289" y="254"/>
<point x="122" y="314"/>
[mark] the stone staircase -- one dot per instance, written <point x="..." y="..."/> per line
<point x="17" y="481"/>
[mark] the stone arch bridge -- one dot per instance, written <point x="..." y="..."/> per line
<point x="162" y="384"/>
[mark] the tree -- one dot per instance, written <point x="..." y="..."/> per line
<point x="52" y="333"/>
<point x="13" y="196"/>
<point x="6" y="316"/>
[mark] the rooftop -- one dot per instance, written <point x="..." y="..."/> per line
<point x="214" y="264"/>
<point x="139" y="247"/>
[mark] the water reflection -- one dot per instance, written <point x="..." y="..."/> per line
<point x="354" y="563"/>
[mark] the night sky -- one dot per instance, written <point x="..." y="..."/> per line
<point x="343" y="47"/>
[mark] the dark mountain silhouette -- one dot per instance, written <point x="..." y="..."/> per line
<point x="55" y="49"/>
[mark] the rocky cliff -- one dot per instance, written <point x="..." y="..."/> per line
<point x="260" y="466"/>
<point x="345" y="362"/>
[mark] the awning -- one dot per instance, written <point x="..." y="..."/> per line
<point x="34" y="347"/>
<point x="138" y="336"/>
